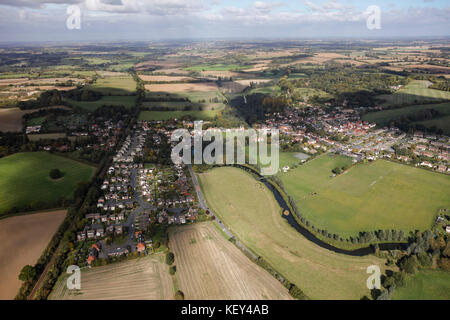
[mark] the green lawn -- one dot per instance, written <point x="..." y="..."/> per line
<point x="251" y="212"/>
<point x="368" y="197"/>
<point x="24" y="179"/>
<point x="126" y="101"/>
<point x="425" y="285"/>
<point x="415" y="92"/>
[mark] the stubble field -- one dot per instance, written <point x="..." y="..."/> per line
<point x="144" y="278"/>
<point x="22" y="240"/>
<point x="210" y="267"/>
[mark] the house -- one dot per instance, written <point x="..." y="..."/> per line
<point x="118" y="229"/>
<point x="81" y="236"/>
<point x="447" y="229"/>
<point x="90" y="234"/>
<point x="140" y="247"/>
<point x="93" y="253"/>
<point x="100" y="232"/>
<point x="442" y="168"/>
<point x="110" y="229"/>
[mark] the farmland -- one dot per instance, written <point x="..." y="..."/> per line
<point x="126" y="101"/>
<point x="182" y="87"/>
<point x="211" y="267"/>
<point x="152" y="78"/>
<point x="249" y="209"/>
<point x="24" y="179"/>
<point x="144" y="278"/>
<point x="11" y="118"/>
<point x="166" y="115"/>
<point x="114" y="85"/>
<point x="425" y="285"/>
<point x="27" y="236"/>
<point x="383" y="118"/>
<point x="368" y="197"/>
<point x="416" y="91"/>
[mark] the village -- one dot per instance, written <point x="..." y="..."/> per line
<point x="136" y="199"/>
<point x="343" y="132"/>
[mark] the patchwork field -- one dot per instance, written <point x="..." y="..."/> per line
<point x="416" y="91"/>
<point x="368" y="197"/>
<point x="164" y="78"/>
<point x="253" y="215"/>
<point x="22" y="239"/>
<point x="218" y="67"/>
<point x="211" y="267"/>
<point x="144" y="278"/>
<point x="182" y="87"/>
<point x="25" y="180"/>
<point x="425" y="285"/>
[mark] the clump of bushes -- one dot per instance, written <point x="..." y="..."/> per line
<point x="170" y="258"/>
<point x="55" y="174"/>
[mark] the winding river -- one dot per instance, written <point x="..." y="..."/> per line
<point x="310" y="236"/>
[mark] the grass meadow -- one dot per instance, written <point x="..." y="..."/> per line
<point x="251" y="212"/>
<point x="126" y="101"/>
<point x="368" y="197"/>
<point x="24" y="179"/>
<point x="416" y="91"/>
<point x="114" y="85"/>
<point x="425" y="285"/>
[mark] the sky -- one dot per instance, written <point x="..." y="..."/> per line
<point x="121" y="20"/>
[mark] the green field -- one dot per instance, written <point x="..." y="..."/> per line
<point x="24" y="179"/>
<point x="178" y="105"/>
<point x="251" y="212"/>
<point x="425" y="285"/>
<point x="167" y="115"/>
<point x="114" y="85"/>
<point x="266" y="90"/>
<point x="307" y="93"/>
<point x="383" y="118"/>
<point x="416" y="91"/>
<point x="368" y="197"/>
<point x="36" y="121"/>
<point x="126" y="101"/>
